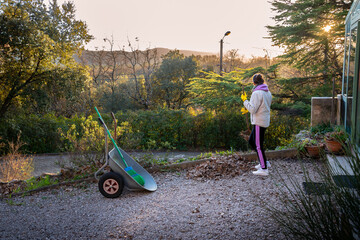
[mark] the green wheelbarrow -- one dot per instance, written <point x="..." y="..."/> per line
<point x="124" y="171"/>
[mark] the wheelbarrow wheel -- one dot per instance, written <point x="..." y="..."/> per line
<point x="111" y="185"/>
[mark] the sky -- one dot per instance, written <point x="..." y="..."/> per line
<point x="196" y="25"/>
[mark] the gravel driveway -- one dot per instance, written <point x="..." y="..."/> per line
<point x="181" y="208"/>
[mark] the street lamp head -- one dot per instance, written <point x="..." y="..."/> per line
<point x="227" y="33"/>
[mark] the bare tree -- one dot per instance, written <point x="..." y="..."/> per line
<point x="140" y="65"/>
<point x="114" y="65"/>
<point x="208" y="62"/>
<point x="106" y="66"/>
<point x="233" y="60"/>
<point x="95" y="61"/>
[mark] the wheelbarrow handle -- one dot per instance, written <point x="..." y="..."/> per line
<point x="101" y="121"/>
<point x="113" y="141"/>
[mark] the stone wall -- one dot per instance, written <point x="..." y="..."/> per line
<point x="321" y="110"/>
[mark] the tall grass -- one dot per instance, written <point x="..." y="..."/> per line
<point x="328" y="211"/>
<point x="15" y="165"/>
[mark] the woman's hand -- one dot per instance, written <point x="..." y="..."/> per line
<point x="244" y="110"/>
<point x="243" y="96"/>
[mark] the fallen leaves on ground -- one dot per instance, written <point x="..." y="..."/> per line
<point x="221" y="167"/>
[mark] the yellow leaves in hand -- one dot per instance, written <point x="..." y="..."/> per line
<point x="244" y="110"/>
<point x="243" y="96"/>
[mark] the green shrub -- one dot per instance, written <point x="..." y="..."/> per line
<point x="161" y="128"/>
<point x="39" y="133"/>
<point x="282" y="128"/>
<point x="88" y="139"/>
<point x="168" y="129"/>
<point x="321" y="129"/>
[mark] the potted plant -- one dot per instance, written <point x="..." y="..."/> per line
<point x="311" y="146"/>
<point x="335" y="140"/>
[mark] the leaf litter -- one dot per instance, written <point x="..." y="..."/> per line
<point x="218" y="167"/>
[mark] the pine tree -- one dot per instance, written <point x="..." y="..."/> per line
<point x="311" y="32"/>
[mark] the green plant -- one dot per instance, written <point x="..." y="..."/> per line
<point x="87" y="140"/>
<point x="283" y="147"/>
<point x="180" y="160"/>
<point x="147" y="130"/>
<point x="149" y="160"/>
<point x="200" y="156"/>
<point x="323" y="210"/>
<point x="46" y="82"/>
<point x="321" y="129"/>
<point x="282" y="129"/>
<point x="306" y="138"/>
<point x="13" y="203"/>
<point x="338" y="134"/>
<point x="80" y="176"/>
<point x="166" y="145"/>
<point x="40" y="132"/>
<point x="307" y="142"/>
<point x="225" y="153"/>
<point x="38" y="182"/>
<point x="151" y="144"/>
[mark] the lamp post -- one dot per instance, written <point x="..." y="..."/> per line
<point x="221" y="50"/>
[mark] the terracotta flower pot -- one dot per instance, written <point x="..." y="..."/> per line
<point x="313" y="151"/>
<point x="333" y="146"/>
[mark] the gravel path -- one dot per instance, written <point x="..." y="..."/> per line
<point x="181" y="208"/>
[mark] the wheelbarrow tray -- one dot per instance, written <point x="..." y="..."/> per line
<point x="117" y="165"/>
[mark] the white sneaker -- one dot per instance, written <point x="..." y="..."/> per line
<point x="261" y="172"/>
<point x="267" y="163"/>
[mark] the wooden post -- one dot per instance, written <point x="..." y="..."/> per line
<point x="115" y="124"/>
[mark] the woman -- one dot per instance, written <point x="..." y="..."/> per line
<point x="259" y="108"/>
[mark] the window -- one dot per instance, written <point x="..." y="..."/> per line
<point x="346" y="61"/>
<point x="350" y="79"/>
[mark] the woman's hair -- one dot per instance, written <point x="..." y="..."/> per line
<point x="258" y="79"/>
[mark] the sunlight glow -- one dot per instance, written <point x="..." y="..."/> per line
<point x="327" y="28"/>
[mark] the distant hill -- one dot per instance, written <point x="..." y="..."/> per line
<point x="88" y="55"/>
<point x="163" y="51"/>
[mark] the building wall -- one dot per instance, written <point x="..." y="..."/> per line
<point x="321" y="110"/>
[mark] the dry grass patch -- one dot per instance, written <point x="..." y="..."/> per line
<point x="15" y="165"/>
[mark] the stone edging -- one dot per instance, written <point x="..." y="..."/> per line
<point x="275" y="154"/>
